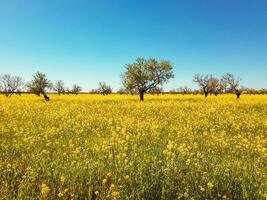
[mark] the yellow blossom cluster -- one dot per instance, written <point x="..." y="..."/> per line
<point x="115" y="147"/>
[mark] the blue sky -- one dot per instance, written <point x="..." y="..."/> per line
<point x="88" y="41"/>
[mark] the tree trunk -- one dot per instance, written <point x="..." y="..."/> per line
<point x="141" y="94"/>
<point x="46" y="97"/>
<point x="237" y="94"/>
<point x="206" y="94"/>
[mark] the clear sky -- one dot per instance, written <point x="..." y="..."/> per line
<point x="87" y="41"/>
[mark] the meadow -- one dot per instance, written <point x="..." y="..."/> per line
<point x="115" y="147"/>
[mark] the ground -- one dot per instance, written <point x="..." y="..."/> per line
<point x="115" y="147"/>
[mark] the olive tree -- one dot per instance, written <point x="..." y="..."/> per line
<point x="59" y="87"/>
<point x="76" y="89"/>
<point x="104" y="89"/>
<point x="143" y="75"/>
<point x="184" y="90"/>
<point x="10" y="84"/>
<point x="39" y="85"/>
<point x="204" y="82"/>
<point x="217" y="86"/>
<point x="232" y="83"/>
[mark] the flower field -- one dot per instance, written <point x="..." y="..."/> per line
<point x="114" y="147"/>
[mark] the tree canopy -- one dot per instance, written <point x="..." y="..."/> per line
<point x="144" y="75"/>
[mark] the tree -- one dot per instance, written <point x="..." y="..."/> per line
<point x="59" y="87"/>
<point x="216" y="86"/>
<point x="184" y="90"/>
<point x="39" y="85"/>
<point x="143" y="75"/>
<point x="156" y="90"/>
<point x="11" y="84"/>
<point x="104" y="89"/>
<point x="204" y="82"/>
<point x="121" y="91"/>
<point x="76" y="89"/>
<point x="232" y="83"/>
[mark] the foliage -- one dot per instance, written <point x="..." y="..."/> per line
<point x="144" y="75"/>
<point x="39" y="85"/>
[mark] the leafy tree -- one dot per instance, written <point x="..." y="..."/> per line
<point x="104" y="89"/>
<point x="59" y="87"/>
<point x="10" y="84"/>
<point x="232" y="83"/>
<point x="143" y="75"/>
<point x="76" y="89"/>
<point x="39" y="85"/>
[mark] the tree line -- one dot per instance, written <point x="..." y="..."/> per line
<point x="140" y="77"/>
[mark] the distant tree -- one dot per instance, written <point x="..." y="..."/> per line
<point x="122" y="91"/>
<point x="76" y="89"/>
<point x="143" y="75"/>
<point x="204" y="82"/>
<point x="173" y="91"/>
<point x="94" y="91"/>
<point x="10" y="84"/>
<point x="104" y="89"/>
<point x="216" y="86"/>
<point x="67" y="90"/>
<point x="232" y="83"/>
<point x="59" y="87"/>
<point x="39" y="85"/>
<point x="131" y="90"/>
<point x="156" y="90"/>
<point x="184" y="90"/>
<point x="196" y="92"/>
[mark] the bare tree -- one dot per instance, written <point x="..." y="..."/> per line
<point x="76" y="89"/>
<point x="59" y="87"/>
<point x="232" y="83"/>
<point x="121" y="91"/>
<point x="11" y="84"/>
<point x="104" y="89"/>
<point x="204" y="82"/>
<point x="39" y="85"/>
<point x="184" y="90"/>
<point x="143" y="75"/>
<point x="216" y="86"/>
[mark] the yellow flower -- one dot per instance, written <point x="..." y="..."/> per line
<point x="210" y="185"/>
<point x="60" y="194"/>
<point x="62" y="179"/>
<point x="201" y="188"/>
<point x="104" y="181"/>
<point x="115" y="194"/>
<point x="44" y="189"/>
<point x="186" y="195"/>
